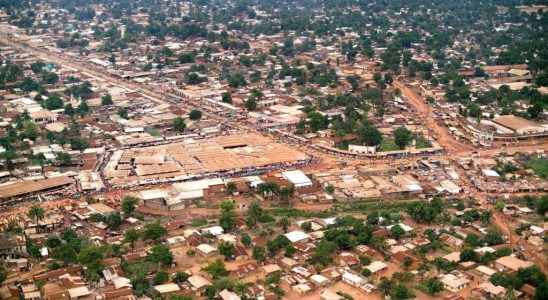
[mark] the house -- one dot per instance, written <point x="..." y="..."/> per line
<point x="195" y="240"/>
<point x="297" y="236"/>
<point x="485" y="271"/>
<point x="214" y="230"/>
<point x="319" y="280"/>
<point x="454" y="281"/>
<point x="329" y="295"/>
<point x="377" y="267"/>
<point x="487" y="290"/>
<point x="346" y="259"/>
<point x="303" y="288"/>
<point x="206" y="250"/>
<point x="228" y="295"/>
<point x="353" y="279"/>
<point x="239" y="252"/>
<point x="452" y="241"/>
<point x="246" y="269"/>
<point x="297" y="178"/>
<point x="511" y="263"/>
<point x="198" y="283"/>
<point x="176" y="241"/>
<point x="452" y="257"/>
<point x="101" y="209"/>
<point x="271" y="269"/>
<point x="333" y="273"/>
<point x="168" y="288"/>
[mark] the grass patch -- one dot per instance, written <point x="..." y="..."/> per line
<point x="539" y="166"/>
<point x="295" y="213"/>
<point x="422" y="143"/>
<point x="154" y="132"/>
<point x="368" y="207"/>
<point x="388" y="145"/>
<point x="198" y="223"/>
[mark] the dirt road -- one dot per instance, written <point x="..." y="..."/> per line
<point x="440" y="132"/>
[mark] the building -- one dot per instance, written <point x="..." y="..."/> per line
<point x="511" y="263"/>
<point x="454" y="281"/>
<point x="510" y="124"/>
<point x="297" y="236"/>
<point x="297" y="178"/>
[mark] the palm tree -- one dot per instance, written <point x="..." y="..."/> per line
<point x="36" y="212"/>
<point x="270" y="188"/>
<point x="286" y="194"/>
<point x="284" y="223"/>
<point x="231" y="187"/>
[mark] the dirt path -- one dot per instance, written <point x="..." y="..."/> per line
<point x="440" y="132"/>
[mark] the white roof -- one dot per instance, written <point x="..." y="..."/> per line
<point x="454" y="281"/>
<point x="198" y="281"/>
<point x="206" y="248"/>
<point x="319" y="278"/>
<point x="452" y="257"/>
<point x="406" y="228"/>
<point x="296" y="235"/>
<point x="213" y="230"/>
<point x="329" y="295"/>
<point x="486" y="270"/>
<point x="484" y="250"/>
<point x="376" y="266"/>
<point x="536" y="229"/>
<point x="490" y="173"/>
<point x="176" y="239"/>
<point x="79" y="292"/>
<point x="353" y="278"/>
<point x="297" y="177"/>
<point x="228" y="295"/>
<point x="167" y="288"/>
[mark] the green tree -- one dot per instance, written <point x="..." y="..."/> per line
<point x="129" y="204"/>
<point x="433" y="286"/>
<point x="284" y="223"/>
<point x="30" y="130"/>
<point x="250" y="104"/>
<point x="179" y="124"/>
<point x="90" y="257"/>
<point x="369" y="135"/>
<point x="396" y="231"/>
<point x="227" y="97"/>
<point x="216" y="269"/>
<point x="160" y="277"/>
<point x="65" y="253"/>
<point x="131" y="236"/>
<point x="123" y="113"/>
<point x="402" y="137"/>
<point x="210" y="292"/>
<point x="154" y="231"/>
<point x="468" y="254"/>
<point x="231" y="187"/>
<point x="52" y="242"/>
<point x="36" y="212"/>
<point x="289" y="250"/>
<point x="306" y="226"/>
<point x="107" y="100"/>
<point x="180" y="277"/>
<point x="258" y="253"/>
<point x="245" y="239"/>
<point x="3" y="274"/>
<point x="253" y="214"/>
<point x="161" y="254"/>
<point x="53" y="102"/>
<point x="114" y="221"/>
<point x="195" y="114"/>
<point x="227" y="219"/>
<point x="225" y="249"/>
<point x="69" y="110"/>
